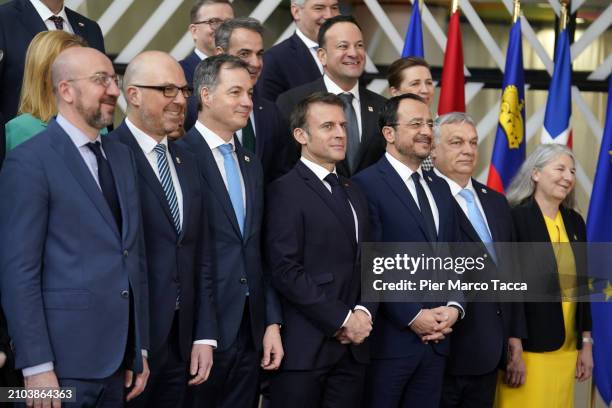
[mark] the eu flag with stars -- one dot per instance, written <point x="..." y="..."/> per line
<point x="413" y="44"/>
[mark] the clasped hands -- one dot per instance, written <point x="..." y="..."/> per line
<point x="434" y="324"/>
<point x="356" y="329"/>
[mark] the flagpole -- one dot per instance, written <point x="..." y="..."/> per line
<point x="563" y="16"/>
<point x="454" y="6"/>
<point x="517" y="11"/>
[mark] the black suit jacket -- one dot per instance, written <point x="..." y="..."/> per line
<point x="479" y="341"/>
<point x="545" y="326"/>
<point x="286" y="65"/>
<point x="372" y="144"/>
<point x="313" y="261"/>
<point x="189" y="65"/>
<point x="175" y="261"/>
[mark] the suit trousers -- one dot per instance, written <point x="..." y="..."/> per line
<point x="469" y="391"/>
<point x="168" y="378"/>
<point x="234" y="378"/>
<point x="338" y="386"/>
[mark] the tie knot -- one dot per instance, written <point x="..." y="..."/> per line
<point x="332" y="179"/>
<point x="160" y="149"/>
<point x="95" y="148"/>
<point x="467" y="195"/>
<point x="415" y="177"/>
<point x="58" y="21"/>
<point x="226" y="149"/>
<point x="346" y="97"/>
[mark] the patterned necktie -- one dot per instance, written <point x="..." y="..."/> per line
<point x="234" y="187"/>
<point x="352" y="131"/>
<point x="341" y="201"/>
<point x="248" y="136"/>
<point x="107" y="182"/>
<point x="428" y="219"/>
<point x="58" y="21"/>
<point x="166" y="181"/>
<point x="478" y="221"/>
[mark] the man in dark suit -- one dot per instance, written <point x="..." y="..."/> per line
<point x="293" y="62"/>
<point x="407" y="205"/>
<point x="480" y="341"/>
<point x="315" y="222"/>
<point x="183" y="323"/>
<point x="206" y="16"/>
<point x="266" y="133"/>
<point x="342" y="53"/>
<point x="75" y="288"/>
<point x="248" y="311"/>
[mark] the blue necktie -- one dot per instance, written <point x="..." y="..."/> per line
<point x="166" y="181"/>
<point x="477" y="221"/>
<point x="234" y="186"/>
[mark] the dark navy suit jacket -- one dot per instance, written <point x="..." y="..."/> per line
<point x="236" y="259"/>
<point x="69" y="273"/>
<point x="313" y="260"/>
<point x="286" y="65"/>
<point x="189" y="65"/>
<point x="175" y="261"/>
<point x="395" y="217"/>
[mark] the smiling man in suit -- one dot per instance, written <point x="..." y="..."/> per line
<point x="342" y="53"/>
<point x="408" y="341"/>
<point x="248" y="311"/>
<point x="75" y="289"/>
<point x="266" y="133"/>
<point x="484" y="217"/>
<point x="293" y="62"/>
<point x="183" y="325"/>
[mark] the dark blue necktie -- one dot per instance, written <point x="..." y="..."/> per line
<point x="428" y="219"/>
<point x="107" y="182"/>
<point x="341" y="202"/>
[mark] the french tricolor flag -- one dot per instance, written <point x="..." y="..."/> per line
<point x="559" y="103"/>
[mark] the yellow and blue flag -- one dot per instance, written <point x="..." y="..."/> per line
<point x="413" y="43"/>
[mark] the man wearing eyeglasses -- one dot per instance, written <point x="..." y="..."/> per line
<point x="206" y="16"/>
<point x="408" y="343"/>
<point x="75" y="287"/>
<point x="183" y="325"/>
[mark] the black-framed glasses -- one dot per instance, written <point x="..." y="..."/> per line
<point x="169" y="91"/>
<point x="214" y="23"/>
<point x="415" y="124"/>
<point x="100" y="78"/>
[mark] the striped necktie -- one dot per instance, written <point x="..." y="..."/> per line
<point x="166" y="181"/>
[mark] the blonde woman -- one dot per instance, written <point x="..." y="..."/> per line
<point x="37" y="102"/>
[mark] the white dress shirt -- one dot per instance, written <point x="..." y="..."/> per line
<point x="335" y="89"/>
<point x="321" y="172"/>
<point x="200" y="54"/>
<point x="44" y="13"/>
<point x="312" y="47"/>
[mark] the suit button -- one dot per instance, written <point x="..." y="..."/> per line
<point x="125" y="252"/>
<point x="243" y="280"/>
<point x="125" y="294"/>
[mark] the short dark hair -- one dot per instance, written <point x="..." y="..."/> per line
<point x="206" y="74"/>
<point x="388" y="114"/>
<point x="299" y="116"/>
<point x="223" y="34"/>
<point x="395" y="74"/>
<point x="330" y="22"/>
<point x="193" y="13"/>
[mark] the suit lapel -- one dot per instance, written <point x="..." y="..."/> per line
<point x="185" y="185"/>
<point x="30" y="18"/>
<point x="302" y="53"/>
<point x="369" y="125"/>
<point x="362" y="213"/>
<point x="260" y="126"/>
<point x="76" y="22"/>
<point x="117" y="162"/>
<point x="245" y="162"/>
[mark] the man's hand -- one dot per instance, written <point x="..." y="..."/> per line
<point x="272" y="348"/>
<point x="584" y="364"/>
<point x="515" y="369"/>
<point x="446" y="316"/>
<point x="47" y="380"/>
<point x="139" y="383"/>
<point x="357" y="328"/>
<point x="425" y="323"/>
<point x="201" y="363"/>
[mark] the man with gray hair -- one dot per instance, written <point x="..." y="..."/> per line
<point x="294" y="61"/>
<point x="266" y="133"/>
<point x="248" y="311"/>
<point x="489" y="330"/>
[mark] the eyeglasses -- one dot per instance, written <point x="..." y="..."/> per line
<point x="214" y="23"/>
<point x="100" y="78"/>
<point x="416" y="124"/>
<point x="169" y="91"/>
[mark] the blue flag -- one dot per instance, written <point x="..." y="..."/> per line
<point x="413" y="44"/>
<point x="599" y="229"/>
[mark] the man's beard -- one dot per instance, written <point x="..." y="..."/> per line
<point x="93" y="116"/>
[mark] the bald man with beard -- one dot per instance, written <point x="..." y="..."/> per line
<point x="183" y="329"/>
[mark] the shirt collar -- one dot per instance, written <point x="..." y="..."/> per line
<point x="79" y="138"/>
<point x="307" y="41"/>
<point x="335" y="89"/>
<point x="146" y="142"/>
<point x="44" y="12"/>
<point x="212" y="139"/>
<point x="200" y="54"/>
<point x="320" y="171"/>
<point x="454" y="187"/>
<point x="404" y="171"/>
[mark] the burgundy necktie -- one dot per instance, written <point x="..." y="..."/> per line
<point x="58" y="21"/>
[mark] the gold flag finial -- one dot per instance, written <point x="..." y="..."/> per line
<point x="516" y="14"/>
<point x="454" y="6"/>
<point x="564" y="15"/>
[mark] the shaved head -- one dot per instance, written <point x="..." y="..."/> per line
<point x="69" y="63"/>
<point x="149" y="64"/>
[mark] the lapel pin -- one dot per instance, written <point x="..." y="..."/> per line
<point x="575" y="237"/>
<point x="1" y="55"/>
<point x="178" y="160"/>
<point x="247" y="159"/>
<point x="429" y="178"/>
<point x="370" y="109"/>
<point x="261" y="108"/>
<point x="484" y="190"/>
<point x="81" y="24"/>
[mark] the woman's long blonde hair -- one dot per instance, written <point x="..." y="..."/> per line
<point x="37" y="96"/>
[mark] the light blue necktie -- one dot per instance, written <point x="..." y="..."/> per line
<point x="234" y="186"/>
<point x="166" y="181"/>
<point x="478" y="222"/>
